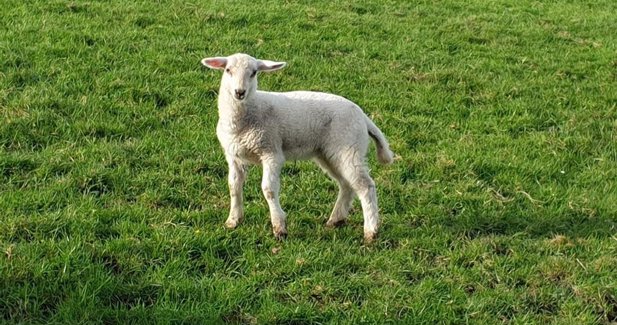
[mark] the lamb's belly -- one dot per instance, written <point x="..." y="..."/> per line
<point x="299" y="150"/>
<point x="298" y="154"/>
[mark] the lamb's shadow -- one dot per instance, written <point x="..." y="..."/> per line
<point x="532" y="223"/>
<point x="571" y="224"/>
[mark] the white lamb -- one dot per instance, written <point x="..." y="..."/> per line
<point x="267" y="128"/>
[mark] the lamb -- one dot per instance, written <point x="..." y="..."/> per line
<point x="268" y="128"/>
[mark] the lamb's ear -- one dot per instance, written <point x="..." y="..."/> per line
<point x="215" y="63"/>
<point x="265" y="65"/>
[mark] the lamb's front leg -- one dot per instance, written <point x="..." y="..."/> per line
<point x="270" y="185"/>
<point x="236" y="177"/>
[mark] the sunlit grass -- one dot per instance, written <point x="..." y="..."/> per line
<point x="501" y="208"/>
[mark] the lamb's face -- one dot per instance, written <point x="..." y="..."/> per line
<point x="240" y="76"/>
<point x="240" y="73"/>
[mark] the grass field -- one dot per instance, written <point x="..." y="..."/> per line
<point x="501" y="209"/>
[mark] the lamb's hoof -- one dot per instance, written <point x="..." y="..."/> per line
<point x="369" y="237"/>
<point x="336" y="223"/>
<point x="280" y="234"/>
<point x="231" y="224"/>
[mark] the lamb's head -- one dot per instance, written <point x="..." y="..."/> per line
<point x="240" y="76"/>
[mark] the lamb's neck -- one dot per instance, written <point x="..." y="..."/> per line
<point x="234" y="113"/>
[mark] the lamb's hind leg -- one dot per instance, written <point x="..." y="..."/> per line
<point x="357" y="175"/>
<point x="345" y="195"/>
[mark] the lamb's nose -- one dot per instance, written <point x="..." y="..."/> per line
<point x="240" y="93"/>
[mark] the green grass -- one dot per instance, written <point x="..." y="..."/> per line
<point x="501" y="209"/>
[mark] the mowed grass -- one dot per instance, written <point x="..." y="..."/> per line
<point x="501" y="208"/>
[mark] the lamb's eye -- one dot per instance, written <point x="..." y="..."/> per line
<point x="228" y="71"/>
<point x="253" y="74"/>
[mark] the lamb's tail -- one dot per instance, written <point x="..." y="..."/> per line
<point x="384" y="154"/>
